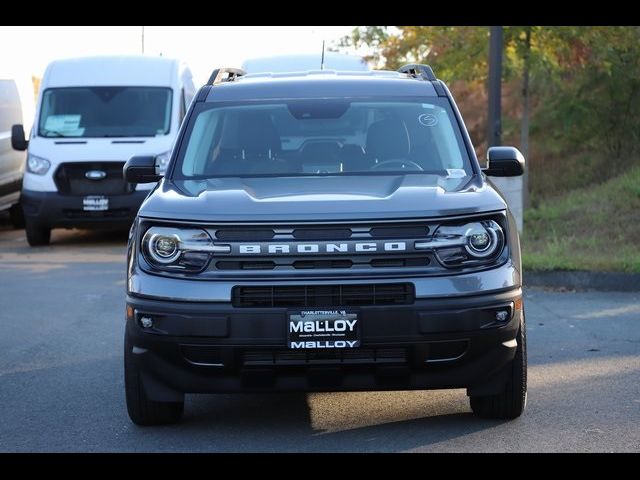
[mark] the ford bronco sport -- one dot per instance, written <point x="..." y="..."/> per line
<point x="324" y="231"/>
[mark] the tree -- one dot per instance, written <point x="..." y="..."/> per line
<point x="580" y="85"/>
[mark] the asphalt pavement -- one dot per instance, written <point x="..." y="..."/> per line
<point x="62" y="386"/>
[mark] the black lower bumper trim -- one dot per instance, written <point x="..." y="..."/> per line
<point x="443" y="343"/>
<point x="52" y="209"/>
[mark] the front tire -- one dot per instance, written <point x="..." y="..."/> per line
<point x="511" y="402"/>
<point x="143" y="411"/>
<point x="37" y="235"/>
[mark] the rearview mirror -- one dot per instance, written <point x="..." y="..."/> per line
<point x="141" y="169"/>
<point x="18" y="142"/>
<point x="504" y="162"/>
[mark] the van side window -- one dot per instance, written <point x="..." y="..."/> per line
<point x="183" y="106"/>
<point x="10" y="109"/>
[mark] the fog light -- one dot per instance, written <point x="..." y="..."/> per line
<point x="502" y="315"/>
<point x="146" y="322"/>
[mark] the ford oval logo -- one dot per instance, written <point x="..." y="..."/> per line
<point x="95" y="174"/>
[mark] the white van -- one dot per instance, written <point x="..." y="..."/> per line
<point x="92" y="115"/>
<point x="16" y="106"/>
<point x="304" y="62"/>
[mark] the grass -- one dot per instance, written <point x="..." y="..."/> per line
<point x="591" y="228"/>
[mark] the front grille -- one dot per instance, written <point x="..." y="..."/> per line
<point x="324" y="295"/>
<point x="322" y="233"/>
<point x="305" y="264"/>
<point x="263" y="358"/>
<point x="332" y="263"/>
<point x="346" y="248"/>
<point x="70" y="179"/>
<point x="416" y="231"/>
<point x="423" y="354"/>
<point x="245" y="265"/>
<point x="400" y="262"/>
<point x="233" y="235"/>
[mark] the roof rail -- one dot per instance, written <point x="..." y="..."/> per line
<point x="415" y="69"/>
<point x="217" y="76"/>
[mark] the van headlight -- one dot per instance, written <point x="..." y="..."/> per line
<point x="162" y="162"/>
<point x="184" y="249"/>
<point x="473" y="243"/>
<point x="37" y="165"/>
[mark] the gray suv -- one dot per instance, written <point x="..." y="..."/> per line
<point x="324" y="231"/>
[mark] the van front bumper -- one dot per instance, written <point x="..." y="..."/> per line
<point x="51" y="210"/>
<point x="430" y="344"/>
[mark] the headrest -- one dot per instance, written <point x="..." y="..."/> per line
<point x="388" y="139"/>
<point x="256" y="132"/>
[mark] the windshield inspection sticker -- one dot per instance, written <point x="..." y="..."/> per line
<point x="456" y="173"/>
<point x="428" y="119"/>
<point x="63" y="123"/>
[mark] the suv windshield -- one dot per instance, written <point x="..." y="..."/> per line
<point x="323" y="137"/>
<point x="105" y="112"/>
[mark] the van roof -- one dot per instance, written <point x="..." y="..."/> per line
<point x="130" y="70"/>
<point x="304" y="62"/>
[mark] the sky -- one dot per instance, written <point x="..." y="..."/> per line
<point x="202" y="48"/>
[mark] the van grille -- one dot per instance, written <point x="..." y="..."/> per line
<point x="70" y="179"/>
<point x="323" y="295"/>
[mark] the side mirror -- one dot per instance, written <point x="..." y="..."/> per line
<point x="141" y="170"/>
<point x="18" y="142"/>
<point x="504" y="162"/>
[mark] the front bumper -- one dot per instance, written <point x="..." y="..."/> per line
<point x="432" y="343"/>
<point x="51" y="209"/>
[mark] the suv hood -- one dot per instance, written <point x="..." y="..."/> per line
<point x="321" y="198"/>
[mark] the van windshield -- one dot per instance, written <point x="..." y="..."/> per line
<point x="105" y="112"/>
<point x="324" y="137"/>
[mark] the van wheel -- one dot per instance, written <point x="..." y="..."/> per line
<point x="511" y="402"/>
<point x="36" y="234"/>
<point x="143" y="411"/>
<point x="16" y="215"/>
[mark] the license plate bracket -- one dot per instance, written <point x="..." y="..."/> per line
<point x="332" y="328"/>
<point x="95" y="203"/>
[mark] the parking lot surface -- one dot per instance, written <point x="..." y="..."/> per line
<point x="62" y="386"/>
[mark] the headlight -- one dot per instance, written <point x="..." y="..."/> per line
<point x="37" y="165"/>
<point x="473" y="243"/>
<point x="482" y="239"/>
<point x="188" y="249"/>
<point x="162" y="162"/>
<point x="163" y="247"/>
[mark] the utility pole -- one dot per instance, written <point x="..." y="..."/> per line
<point x="511" y="188"/>
<point x="524" y="132"/>
<point x="143" y="40"/>
<point x="494" y="123"/>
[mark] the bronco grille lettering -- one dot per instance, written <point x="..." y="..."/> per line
<point x="315" y="248"/>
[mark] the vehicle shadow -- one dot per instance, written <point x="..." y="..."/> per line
<point x="5" y="222"/>
<point x="81" y="237"/>
<point x="403" y="435"/>
<point x="287" y="422"/>
<point x="76" y="236"/>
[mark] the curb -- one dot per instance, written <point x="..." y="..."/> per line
<point x="583" y="280"/>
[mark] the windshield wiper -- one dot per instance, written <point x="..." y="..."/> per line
<point x="113" y="135"/>
<point x="54" y="133"/>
